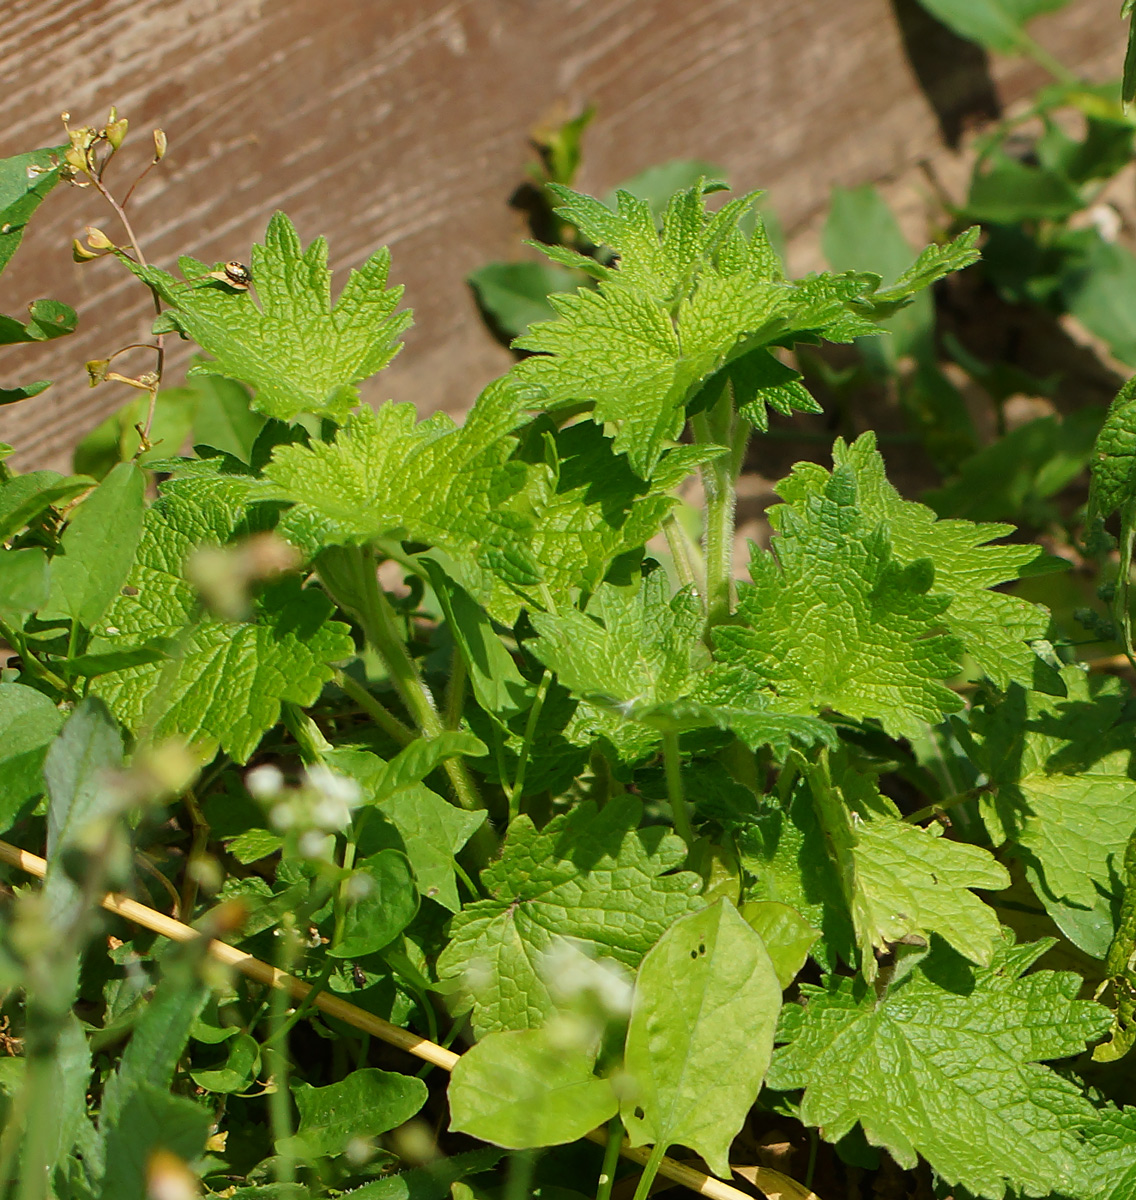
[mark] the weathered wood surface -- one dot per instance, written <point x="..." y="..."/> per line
<point x="405" y="122"/>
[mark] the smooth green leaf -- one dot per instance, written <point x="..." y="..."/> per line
<point x="788" y="937"/>
<point x="98" y="548"/>
<point x="298" y="351"/>
<point x="431" y="1182"/>
<point x="515" y="294"/>
<point x="152" y="1120"/>
<point x="238" y="1070"/>
<point x="24" y="581"/>
<point x="23" y="498"/>
<point x="701" y="1035"/>
<point x="49" y="319"/>
<point x="384" y="901"/>
<point x="28" y="725"/>
<point x="590" y="876"/>
<point x="1101" y="294"/>
<point x="970" y="1096"/>
<point x="523" y="1088"/>
<point x="368" y="1102"/>
<point x="25" y="180"/>
<point x="995" y="24"/>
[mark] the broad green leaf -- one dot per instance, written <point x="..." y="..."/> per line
<point x="28" y="725"/>
<point x="24" y="581"/>
<point x="1101" y="293"/>
<point x="1064" y="796"/>
<point x="969" y="1095"/>
<point x="590" y="876"/>
<point x="384" y="901"/>
<point x="25" y="180"/>
<point x="788" y="937"/>
<point x="223" y="417"/>
<point x="23" y="498"/>
<point x="98" y="548"/>
<point x="152" y="1120"/>
<point x="117" y="439"/>
<point x="298" y="351"/>
<point x="1004" y="191"/>
<point x="1013" y="477"/>
<point x="237" y="1072"/>
<point x="433" y="831"/>
<point x="1114" y="458"/>
<point x="16" y="394"/>
<point x="49" y="319"/>
<point x="1128" y="84"/>
<point x="368" y="1102"/>
<point x="224" y="684"/>
<point x="159" y="1038"/>
<point x="833" y="620"/>
<point x="515" y="294"/>
<point x="680" y="303"/>
<point x="640" y="656"/>
<point x="497" y="684"/>
<point x="900" y="882"/>
<point x="70" y="1068"/>
<point x="995" y="24"/>
<point x="388" y="476"/>
<point x="79" y="770"/>
<point x="701" y="1034"/>
<point x="523" y="1088"/>
<point x="995" y="629"/>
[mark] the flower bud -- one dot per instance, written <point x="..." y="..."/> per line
<point x="98" y="240"/>
<point x="81" y="254"/>
<point x="159" y="145"/>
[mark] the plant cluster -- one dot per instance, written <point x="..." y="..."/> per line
<point x="455" y="736"/>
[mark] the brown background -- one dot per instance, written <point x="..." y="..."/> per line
<point x="405" y="123"/>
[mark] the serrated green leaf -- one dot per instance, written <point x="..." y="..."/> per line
<point x="590" y="876"/>
<point x="970" y="1096"/>
<point x="368" y="1102"/>
<point x="903" y="883"/>
<point x="522" y="1088"/>
<point x="1113" y="470"/>
<point x="298" y="351"/>
<point x="28" y="725"/>
<point x="995" y="628"/>
<point x="701" y="1034"/>
<point x="832" y="620"/>
<point x="1064" y="796"/>
<point x="225" y="683"/>
<point x="97" y="548"/>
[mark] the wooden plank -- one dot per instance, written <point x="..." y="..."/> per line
<point x="405" y="122"/>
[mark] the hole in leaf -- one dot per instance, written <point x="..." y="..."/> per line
<point x="639" y="1113"/>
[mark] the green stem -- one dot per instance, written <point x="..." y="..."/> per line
<point x="381" y="631"/>
<point x="933" y="810"/>
<point x="455" y="690"/>
<point x="672" y="760"/>
<point x="32" y="664"/>
<point x="658" y="1153"/>
<point x="682" y="553"/>
<point x="383" y="717"/>
<point x="276" y="1056"/>
<point x="307" y="733"/>
<point x="526" y="746"/>
<point x="610" y="1159"/>
<point x="522" y="1165"/>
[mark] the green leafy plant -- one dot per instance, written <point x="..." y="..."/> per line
<point x="454" y="735"/>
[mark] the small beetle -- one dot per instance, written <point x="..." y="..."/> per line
<point x="235" y="274"/>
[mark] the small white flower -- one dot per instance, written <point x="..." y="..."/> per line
<point x="264" y="782"/>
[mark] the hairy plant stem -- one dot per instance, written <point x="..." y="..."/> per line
<point x="383" y="717"/>
<point x="720" y="427"/>
<point x="31" y="663"/>
<point x="672" y="760"/>
<point x="381" y="631"/>
<point x="276" y="1053"/>
<point x="658" y="1153"/>
<point x="610" y="1159"/>
<point x="531" y="723"/>
<point x="682" y="554"/>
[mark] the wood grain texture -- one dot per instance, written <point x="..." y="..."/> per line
<point x="405" y="122"/>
